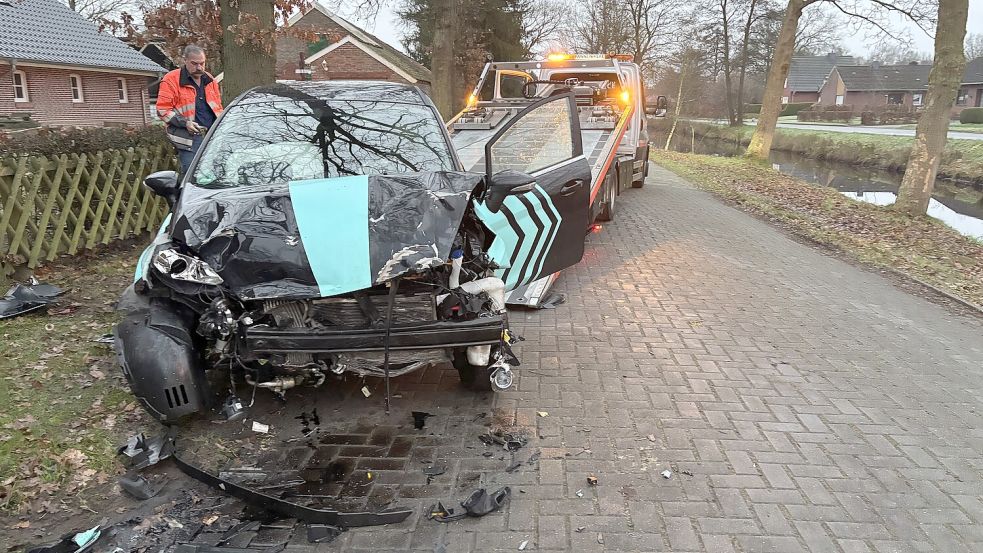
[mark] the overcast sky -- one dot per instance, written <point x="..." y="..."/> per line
<point x="387" y="27"/>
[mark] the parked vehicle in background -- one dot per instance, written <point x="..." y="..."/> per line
<point x="610" y="118"/>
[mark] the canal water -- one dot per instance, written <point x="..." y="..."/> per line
<point x="958" y="205"/>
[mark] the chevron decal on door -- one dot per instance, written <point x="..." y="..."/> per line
<point x="525" y="229"/>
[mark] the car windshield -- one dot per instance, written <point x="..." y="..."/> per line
<point x="277" y="141"/>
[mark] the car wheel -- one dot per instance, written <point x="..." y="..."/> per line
<point x="475" y="377"/>
<point x="607" y="207"/>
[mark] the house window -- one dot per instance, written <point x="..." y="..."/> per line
<point x="895" y="99"/>
<point x="962" y="97"/>
<point x="839" y="99"/>
<point x="121" y="90"/>
<point x="916" y="99"/>
<point x="20" y="87"/>
<point x="784" y="99"/>
<point x="76" y="83"/>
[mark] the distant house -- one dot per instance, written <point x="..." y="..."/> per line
<point x="58" y="68"/>
<point x="971" y="91"/>
<point x="876" y="85"/>
<point x="807" y="74"/>
<point x="343" y="51"/>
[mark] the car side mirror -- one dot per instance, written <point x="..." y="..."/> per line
<point x="504" y="184"/>
<point x="165" y="185"/>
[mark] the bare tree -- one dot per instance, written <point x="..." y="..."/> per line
<point x="870" y="11"/>
<point x="101" y="10"/>
<point x="598" y="26"/>
<point x="896" y="52"/>
<point x="651" y="28"/>
<point x="540" y="24"/>
<point x="974" y="46"/>
<point x="933" y="125"/>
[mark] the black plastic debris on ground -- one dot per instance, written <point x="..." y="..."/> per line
<point x="433" y="471"/>
<point x="140" y="451"/>
<point x="322" y="533"/>
<point x="420" y="419"/>
<point x="139" y="487"/>
<point x="511" y="441"/>
<point x="73" y="542"/>
<point x="21" y="298"/>
<point x="478" y="504"/>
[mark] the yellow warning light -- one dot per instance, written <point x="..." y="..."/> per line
<point x="625" y="97"/>
<point x="558" y="56"/>
<point x="472" y="99"/>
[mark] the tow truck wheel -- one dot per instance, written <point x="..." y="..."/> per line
<point x="607" y="205"/>
<point x="645" y="170"/>
<point x="476" y="377"/>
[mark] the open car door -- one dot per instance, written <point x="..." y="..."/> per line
<point x="540" y="231"/>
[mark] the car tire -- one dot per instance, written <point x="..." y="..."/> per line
<point x="645" y="171"/>
<point x="475" y="377"/>
<point x="608" y="205"/>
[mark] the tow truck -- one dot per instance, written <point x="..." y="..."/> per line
<point x="609" y="131"/>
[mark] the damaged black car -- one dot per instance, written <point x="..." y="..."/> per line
<point x="327" y="228"/>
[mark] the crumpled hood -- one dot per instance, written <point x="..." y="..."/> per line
<point x="323" y="237"/>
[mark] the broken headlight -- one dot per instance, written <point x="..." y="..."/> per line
<point x="182" y="267"/>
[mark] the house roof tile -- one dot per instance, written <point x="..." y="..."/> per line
<point x="974" y="71"/>
<point x="884" y="77"/>
<point x="808" y="73"/>
<point x="47" y="31"/>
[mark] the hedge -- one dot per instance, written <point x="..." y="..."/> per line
<point x="971" y="115"/>
<point x="88" y="140"/>
<point x="787" y="109"/>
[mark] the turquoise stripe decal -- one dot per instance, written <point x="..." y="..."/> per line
<point x="551" y="233"/>
<point x="506" y="240"/>
<point x="333" y="219"/>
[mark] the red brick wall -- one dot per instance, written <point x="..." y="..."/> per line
<point x="351" y="62"/>
<point x="803" y="97"/>
<point x="50" y="97"/>
<point x="345" y="62"/>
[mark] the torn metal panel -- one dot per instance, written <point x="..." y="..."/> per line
<point x="323" y="237"/>
<point x="293" y="510"/>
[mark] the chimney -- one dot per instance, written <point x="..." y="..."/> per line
<point x="913" y="62"/>
<point x="832" y="56"/>
<point x="875" y="64"/>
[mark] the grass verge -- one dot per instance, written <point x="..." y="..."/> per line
<point x="921" y="247"/>
<point x="64" y="406"/>
<point x="962" y="159"/>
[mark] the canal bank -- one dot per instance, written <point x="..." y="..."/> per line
<point x="922" y="248"/>
<point x="962" y="160"/>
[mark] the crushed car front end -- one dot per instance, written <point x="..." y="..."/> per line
<point x="304" y="247"/>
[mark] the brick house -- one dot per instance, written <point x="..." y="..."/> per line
<point x="344" y="51"/>
<point x="876" y="85"/>
<point x="58" y="68"/>
<point x="971" y="90"/>
<point x="807" y="74"/>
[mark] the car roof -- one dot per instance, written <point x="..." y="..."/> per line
<point x="370" y="91"/>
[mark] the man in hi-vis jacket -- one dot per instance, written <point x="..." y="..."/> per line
<point x="189" y="101"/>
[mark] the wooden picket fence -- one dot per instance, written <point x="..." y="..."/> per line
<point x="64" y="204"/>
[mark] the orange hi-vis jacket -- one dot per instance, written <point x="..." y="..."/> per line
<point x="176" y="104"/>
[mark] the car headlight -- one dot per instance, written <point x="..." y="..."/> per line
<point x="182" y="267"/>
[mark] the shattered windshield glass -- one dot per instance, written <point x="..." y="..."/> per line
<point x="277" y="141"/>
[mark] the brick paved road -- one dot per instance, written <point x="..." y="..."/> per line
<point x="818" y="407"/>
<point x="802" y="404"/>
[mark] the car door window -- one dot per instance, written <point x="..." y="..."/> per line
<point x="539" y="139"/>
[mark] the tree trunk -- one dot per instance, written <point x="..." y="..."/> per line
<point x="933" y="125"/>
<point x="771" y="103"/>
<point x="442" y="65"/>
<point x="728" y="92"/>
<point x="744" y="51"/>
<point x="248" y="48"/>
<point x="679" y="102"/>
